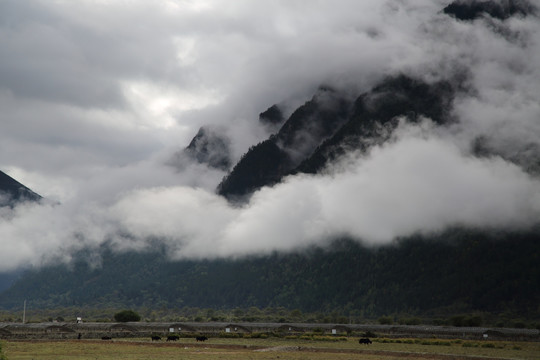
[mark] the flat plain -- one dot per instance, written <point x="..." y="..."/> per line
<point x="271" y="348"/>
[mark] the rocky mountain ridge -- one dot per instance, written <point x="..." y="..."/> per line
<point x="331" y="124"/>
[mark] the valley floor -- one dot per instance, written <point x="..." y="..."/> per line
<point x="271" y="348"/>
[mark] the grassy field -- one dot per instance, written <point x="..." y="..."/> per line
<point x="271" y="348"/>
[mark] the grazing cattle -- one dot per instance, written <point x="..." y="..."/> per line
<point x="173" y="337"/>
<point x="201" y="338"/>
<point x="156" y="338"/>
<point x="365" y="341"/>
<point x="106" y="338"/>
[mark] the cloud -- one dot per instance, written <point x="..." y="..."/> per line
<point x="94" y="106"/>
<point x="419" y="182"/>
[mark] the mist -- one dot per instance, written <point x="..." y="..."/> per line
<point x="95" y="108"/>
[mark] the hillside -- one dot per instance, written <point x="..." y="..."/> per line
<point x="457" y="272"/>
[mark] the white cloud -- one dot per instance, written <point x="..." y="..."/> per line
<point x="94" y="105"/>
<point x="156" y="106"/>
<point x="419" y="182"/>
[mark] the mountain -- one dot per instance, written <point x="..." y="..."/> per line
<point x="502" y="10"/>
<point x="12" y="191"/>
<point x="267" y="162"/>
<point x="375" y="115"/>
<point x="272" y="117"/>
<point x="330" y="124"/>
<point x="459" y="271"/>
<point x="211" y="148"/>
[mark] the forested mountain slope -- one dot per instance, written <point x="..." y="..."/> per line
<point x="331" y="124"/>
<point x="456" y="272"/>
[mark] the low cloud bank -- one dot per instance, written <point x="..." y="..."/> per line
<point x="418" y="182"/>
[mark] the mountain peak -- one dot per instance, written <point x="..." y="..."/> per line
<point x="12" y="191"/>
<point x="210" y="146"/>
<point x="273" y="116"/>
<point x="267" y="162"/>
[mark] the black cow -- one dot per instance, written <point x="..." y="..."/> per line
<point x="365" y="341"/>
<point x="106" y="338"/>
<point x="173" y="337"/>
<point x="156" y="338"/>
<point x="201" y="338"/>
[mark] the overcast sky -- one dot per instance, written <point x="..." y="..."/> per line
<point x="97" y="96"/>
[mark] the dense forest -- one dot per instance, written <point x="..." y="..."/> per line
<point x="458" y="272"/>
